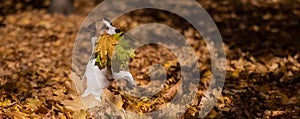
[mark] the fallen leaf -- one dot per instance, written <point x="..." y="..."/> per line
<point x="81" y="114"/>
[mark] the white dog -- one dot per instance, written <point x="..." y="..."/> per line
<point x="97" y="79"/>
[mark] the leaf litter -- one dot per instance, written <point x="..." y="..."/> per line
<point x="260" y="43"/>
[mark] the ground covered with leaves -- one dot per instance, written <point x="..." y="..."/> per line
<point x="260" y="39"/>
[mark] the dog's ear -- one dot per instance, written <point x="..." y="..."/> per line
<point x="92" y="28"/>
<point x="107" y="22"/>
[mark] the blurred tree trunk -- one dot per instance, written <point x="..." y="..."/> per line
<point x="61" y="6"/>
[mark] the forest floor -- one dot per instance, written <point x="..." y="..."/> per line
<point x="260" y="38"/>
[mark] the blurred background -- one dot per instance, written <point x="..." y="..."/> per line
<point x="260" y="40"/>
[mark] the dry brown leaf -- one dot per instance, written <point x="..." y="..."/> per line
<point x="17" y="115"/>
<point x="115" y="99"/>
<point x="173" y="90"/>
<point x="74" y="105"/>
<point x="81" y="114"/>
<point x="33" y="103"/>
<point x="6" y="103"/>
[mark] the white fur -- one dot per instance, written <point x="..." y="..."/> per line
<point x="96" y="80"/>
<point x="124" y="75"/>
<point x="111" y="29"/>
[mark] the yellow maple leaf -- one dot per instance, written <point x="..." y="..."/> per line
<point x="104" y="49"/>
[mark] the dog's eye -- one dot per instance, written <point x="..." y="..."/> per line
<point x="117" y="30"/>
